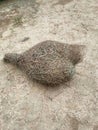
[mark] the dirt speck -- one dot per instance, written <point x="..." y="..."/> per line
<point x="25" y="39"/>
<point x="63" y="2"/>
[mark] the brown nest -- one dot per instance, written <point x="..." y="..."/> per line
<point x="49" y="62"/>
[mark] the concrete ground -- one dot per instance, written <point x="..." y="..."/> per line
<point x="25" y="105"/>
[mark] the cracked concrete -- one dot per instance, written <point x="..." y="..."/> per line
<point x="27" y="105"/>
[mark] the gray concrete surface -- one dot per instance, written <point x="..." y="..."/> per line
<point x="25" y="105"/>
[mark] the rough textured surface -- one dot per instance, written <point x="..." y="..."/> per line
<point x="48" y="62"/>
<point x="27" y="105"/>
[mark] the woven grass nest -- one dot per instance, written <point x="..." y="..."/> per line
<point x="48" y="62"/>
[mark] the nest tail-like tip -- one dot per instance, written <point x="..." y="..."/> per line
<point x="76" y="53"/>
<point x="11" y="58"/>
